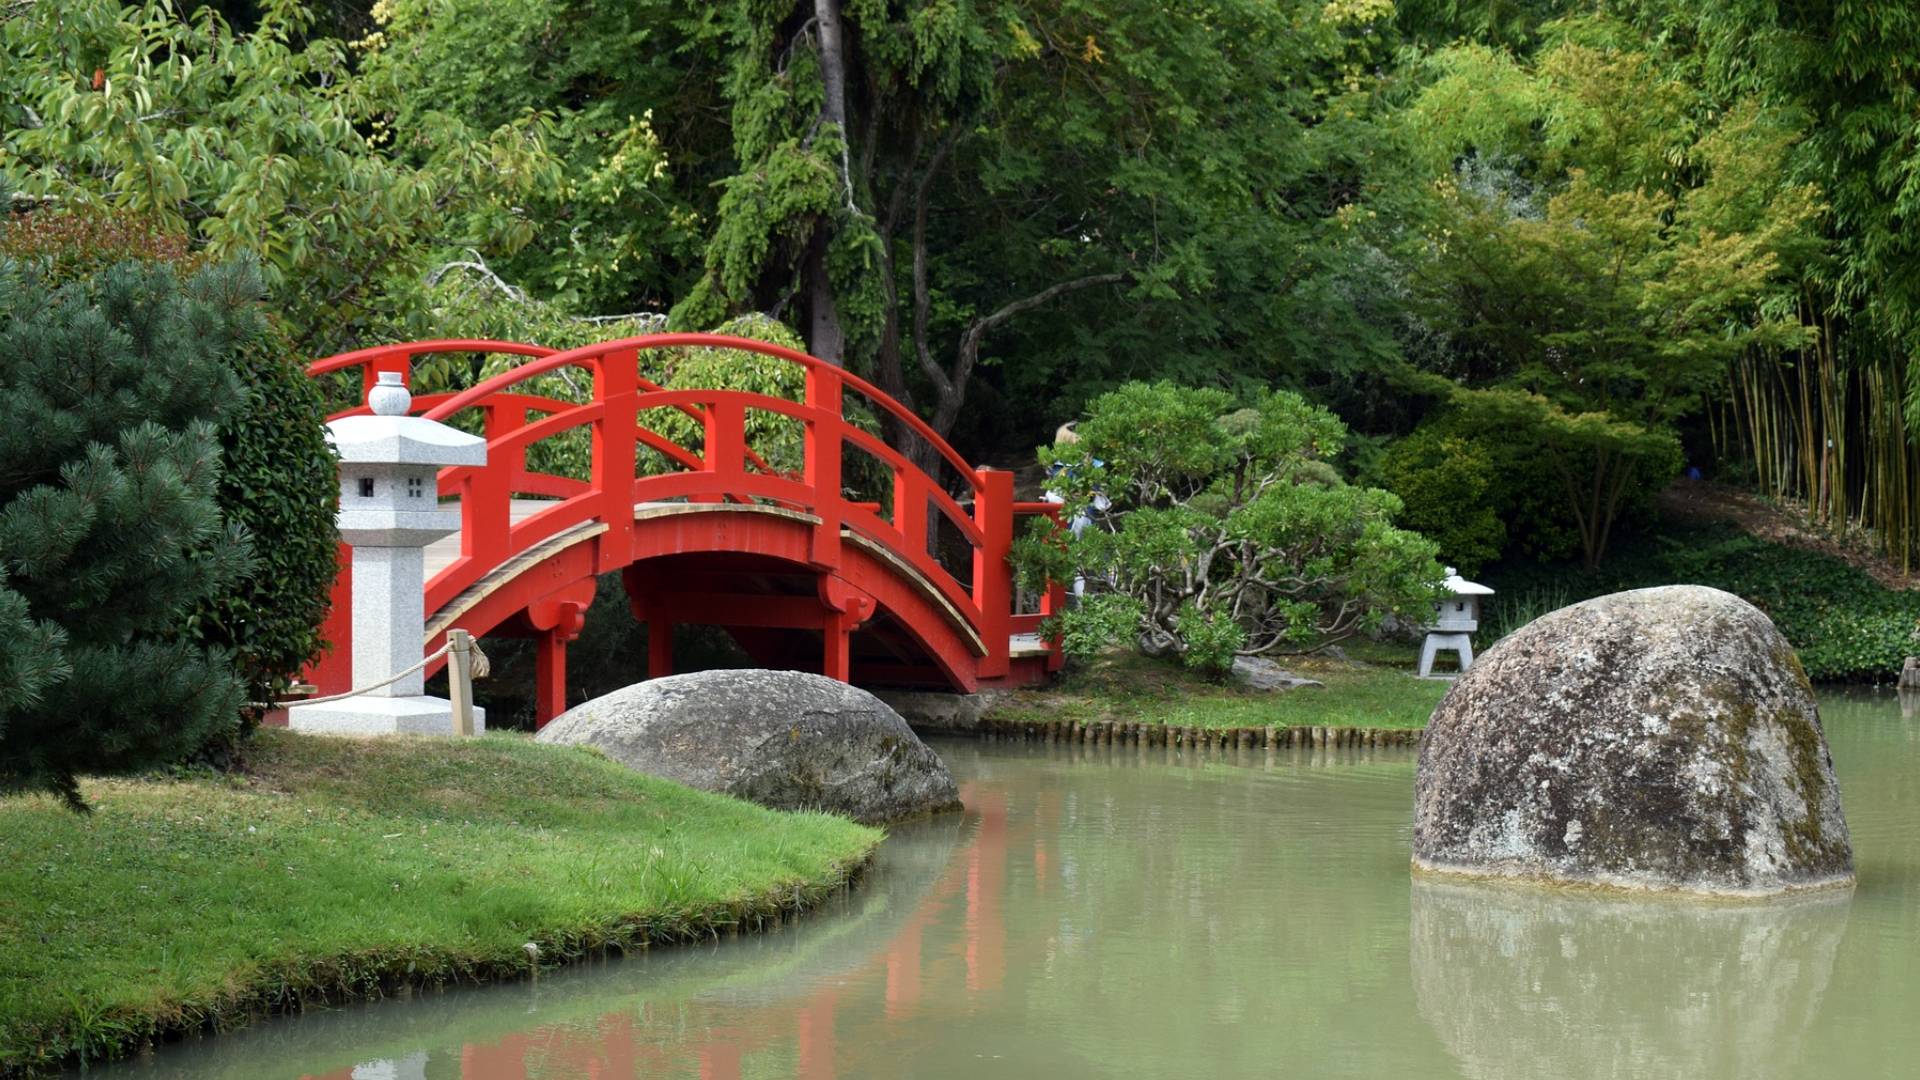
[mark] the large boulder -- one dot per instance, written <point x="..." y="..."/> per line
<point x="1662" y="739"/>
<point x="783" y="739"/>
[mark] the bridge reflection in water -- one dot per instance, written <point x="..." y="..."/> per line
<point x="690" y="1023"/>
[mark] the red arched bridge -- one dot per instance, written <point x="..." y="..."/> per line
<point x="910" y="587"/>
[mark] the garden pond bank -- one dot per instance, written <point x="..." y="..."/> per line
<point x="1130" y="910"/>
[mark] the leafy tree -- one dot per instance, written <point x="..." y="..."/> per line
<point x="927" y="180"/>
<point x="1599" y="252"/>
<point x="1226" y="528"/>
<point x="625" y="112"/>
<point x="110" y="529"/>
<point x="262" y="144"/>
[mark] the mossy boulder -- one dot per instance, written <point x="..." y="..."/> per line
<point x="784" y="739"/>
<point x="1661" y="739"/>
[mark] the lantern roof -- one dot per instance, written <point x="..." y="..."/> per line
<point x="1460" y="586"/>
<point x="391" y="437"/>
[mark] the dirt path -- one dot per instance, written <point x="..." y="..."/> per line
<point x="1706" y="502"/>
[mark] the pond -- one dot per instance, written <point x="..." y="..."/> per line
<point x="1129" y="912"/>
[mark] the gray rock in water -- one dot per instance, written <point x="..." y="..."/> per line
<point x="1662" y="739"/>
<point x="1260" y="673"/>
<point x="933" y="710"/>
<point x="784" y="739"/>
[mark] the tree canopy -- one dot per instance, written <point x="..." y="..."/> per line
<point x="1677" y="220"/>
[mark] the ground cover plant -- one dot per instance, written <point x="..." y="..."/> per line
<point x="331" y="867"/>
<point x="1379" y="691"/>
<point x="1846" y="626"/>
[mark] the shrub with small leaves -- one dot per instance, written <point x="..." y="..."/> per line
<point x="1213" y="640"/>
<point x="1094" y="624"/>
<point x="1225" y="526"/>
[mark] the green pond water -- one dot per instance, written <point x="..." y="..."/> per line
<point x="1144" y="913"/>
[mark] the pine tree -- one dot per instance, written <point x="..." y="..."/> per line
<point x="111" y="393"/>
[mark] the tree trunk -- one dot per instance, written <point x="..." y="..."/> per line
<point x="826" y="338"/>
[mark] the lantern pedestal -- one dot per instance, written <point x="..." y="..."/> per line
<point x="1442" y="641"/>
<point x="389" y="512"/>
<point x="365" y="714"/>
<point x="1454" y="621"/>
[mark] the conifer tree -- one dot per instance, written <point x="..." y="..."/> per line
<point x="111" y="393"/>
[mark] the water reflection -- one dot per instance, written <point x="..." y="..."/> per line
<point x="1522" y="982"/>
<point x="644" y="1015"/>
<point x="1150" y="912"/>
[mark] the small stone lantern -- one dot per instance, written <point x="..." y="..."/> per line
<point x="1455" y="618"/>
<point x="389" y="512"/>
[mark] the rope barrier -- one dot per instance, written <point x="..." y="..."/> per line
<point x="479" y="672"/>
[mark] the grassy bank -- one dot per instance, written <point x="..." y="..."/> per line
<point x="1375" y="688"/>
<point x="332" y="868"/>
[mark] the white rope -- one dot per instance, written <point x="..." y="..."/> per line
<point x="430" y="658"/>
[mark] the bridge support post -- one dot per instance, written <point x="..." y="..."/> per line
<point x="847" y="608"/>
<point x="555" y="621"/>
<point x="549" y="677"/>
<point x="659" y="648"/>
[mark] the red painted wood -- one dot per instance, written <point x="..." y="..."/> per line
<point x="992" y="576"/>
<point x="549" y="678"/>
<point x="853" y="585"/>
<point x="659" y="648"/>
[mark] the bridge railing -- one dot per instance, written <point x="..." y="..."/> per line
<point x="725" y="468"/>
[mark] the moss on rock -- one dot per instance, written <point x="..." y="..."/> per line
<point x="1657" y="739"/>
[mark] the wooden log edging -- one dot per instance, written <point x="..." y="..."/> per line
<point x="1143" y="734"/>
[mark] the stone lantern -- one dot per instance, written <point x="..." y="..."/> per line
<point x="1455" y="618"/>
<point x="389" y="512"/>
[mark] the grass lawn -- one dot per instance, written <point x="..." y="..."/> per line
<point x="1373" y="688"/>
<point x="334" y="866"/>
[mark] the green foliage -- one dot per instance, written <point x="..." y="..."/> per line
<point x="1843" y="65"/>
<point x="1092" y="626"/>
<point x="473" y="303"/>
<point x="1212" y="638"/>
<point x="262" y="144"/>
<point x="278" y="475"/>
<point x="1228" y="526"/>
<point x="779" y="440"/>
<point x="1447" y="484"/>
<point x="1846" y="626"/>
<point x="605" y="227"/>
<point x="1508" y="611"/>
<point x="1601" y="466"/>
<point x="110" y="526"/>
<point x="1601" y="243"/>
<point x="279" y="480"/>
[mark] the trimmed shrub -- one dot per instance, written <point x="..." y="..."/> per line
<point x="1447" y="483"/>
<point x="279" y="482"/>
<point x="1485" y="492"/>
